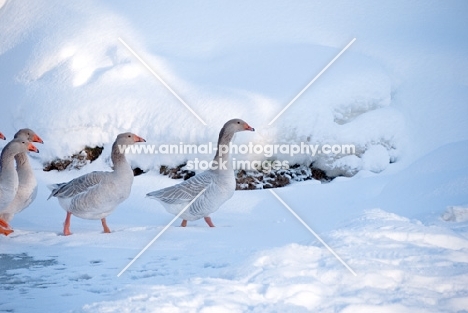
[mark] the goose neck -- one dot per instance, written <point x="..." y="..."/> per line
<point x="118" y="157"/>
<point x="222" y="156"/>
<point x="22" y="161"/>
<point x="7" y="165"/>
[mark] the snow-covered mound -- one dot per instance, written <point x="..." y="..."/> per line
<point x="72" y="72"/>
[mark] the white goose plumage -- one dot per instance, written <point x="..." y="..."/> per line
<point x="97" y="194"/>
<point x="219" y="184"/>
<point x="9" y="176"/>
<point x="27" y="183"/>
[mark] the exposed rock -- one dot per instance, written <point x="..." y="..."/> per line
<point x="76" y="161"/>
<point x="93" y="153"/>
<point x="255" y="179"/>
<point x="138" y="171"/>
<point x="177" y="172"/>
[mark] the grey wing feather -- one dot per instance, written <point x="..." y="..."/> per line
<point x="183" y="192"/>
<point x="76" y="186"/>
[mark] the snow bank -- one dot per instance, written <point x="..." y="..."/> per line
<point x="393" y="256"/>
<point x="71" y="70"/>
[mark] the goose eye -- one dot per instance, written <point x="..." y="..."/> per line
<point x="238" y="122"/>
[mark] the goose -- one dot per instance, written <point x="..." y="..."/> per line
<point x="96" y="195"/>
<point x="219" y="182"/>
<point x="27" y="184"/>
<point x="9" y="176"/>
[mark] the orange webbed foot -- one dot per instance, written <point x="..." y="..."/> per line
<point x="5" y="231"/>
<point x="66" y="232"/>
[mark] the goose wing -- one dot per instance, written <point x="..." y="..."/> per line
<point x="183" y="192"/>
<point x="76" y="186"/>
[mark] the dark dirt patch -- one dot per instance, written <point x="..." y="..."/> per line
<point x="76" y="161"/>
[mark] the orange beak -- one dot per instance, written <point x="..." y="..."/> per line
<point x="138" y="139"/>
<point x="38" y="139"/>
<point x="248" y="127"/>
<point x="2" y="136"/>
<point x="32" y="148"/>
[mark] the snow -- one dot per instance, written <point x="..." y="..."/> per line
<point x="456" y="214"/>
<point x="397" y="216"/>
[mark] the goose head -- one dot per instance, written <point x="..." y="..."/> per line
<point x="237" y="125"/>
<point x="128" y="139"/>
<point x="29" y="135"/>
<point x="17" y="146"/>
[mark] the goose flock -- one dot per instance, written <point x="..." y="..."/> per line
<point x="96" y="195"/>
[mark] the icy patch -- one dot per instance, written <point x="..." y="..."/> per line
<point x="456" y="214"/>
<point x="12" y="267"/>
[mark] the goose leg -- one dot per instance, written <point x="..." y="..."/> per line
<point x="208" y="221"/>
<point x="4" y="223"/>
<point x="66" y="225"/>
<point x="104" y="225"/>
<point x="184" y="223"/>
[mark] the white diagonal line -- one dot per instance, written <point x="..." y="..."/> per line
<point x="313" y="233"/>
<point x="312" y="81"/>
<point x="160" y="233"/>
<point x="161" y="80"/>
